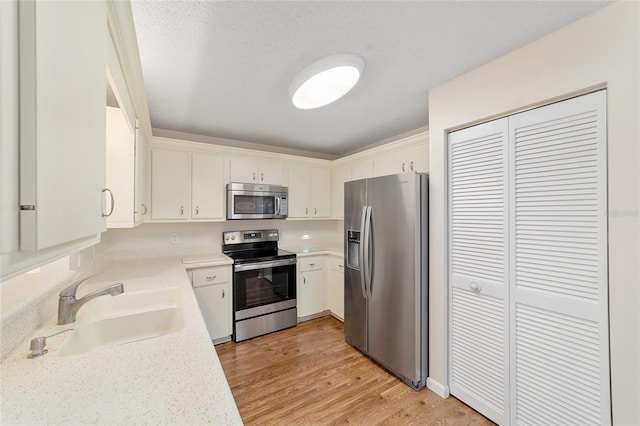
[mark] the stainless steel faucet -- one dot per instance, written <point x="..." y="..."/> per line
<point x="68" y="305"/>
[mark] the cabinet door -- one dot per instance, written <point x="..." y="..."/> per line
<point x="207" y="187"/>
<point x="141" y="208"/>
<point x="215" y="305"/>
<point x="320" y="189"/>
<point x="271" y="172"/>
<point x="558" y="260"/>
<point x="62" y="54"/>
<point x="390" y="163"/>
<point x="243" y="169"/>
<point x="121" y="152"/>
<point x="335" y="287"/>
<point x="417" y="158"/>
<point x="169" y="184"/>
<point x="310" y="293"/>
<point x="478" y="269"/>
<point x="362" y="169"/>
<point x="298" y="191"/>
<point x="340" y="176"/>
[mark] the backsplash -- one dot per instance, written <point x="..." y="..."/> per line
<point x="191" y="238"/>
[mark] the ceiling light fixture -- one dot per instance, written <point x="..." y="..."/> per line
<point x="326" y="81"/>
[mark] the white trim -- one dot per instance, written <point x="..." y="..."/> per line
<point x="437" y="388"/>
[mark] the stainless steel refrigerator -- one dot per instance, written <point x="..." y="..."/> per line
<point x="386" y="274"/>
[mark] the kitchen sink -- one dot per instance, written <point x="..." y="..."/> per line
<point x="126" y="318"/>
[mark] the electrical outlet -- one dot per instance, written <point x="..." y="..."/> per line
<point x="175" y="238"/>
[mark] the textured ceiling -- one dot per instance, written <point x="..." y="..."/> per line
<point x="223" y="68"/>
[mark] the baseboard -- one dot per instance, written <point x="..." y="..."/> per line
<point x="438" y="388"/>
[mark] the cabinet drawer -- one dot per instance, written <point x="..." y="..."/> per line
<point x="310" y="264"/>
<point x="336" y="263"/>
<point x="209" y="276"/>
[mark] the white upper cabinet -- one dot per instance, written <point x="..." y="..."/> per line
<point x="320" y="205"/>
<point x="413" y="158"/>
<point x="207" y="187"/>
<point x="186" y="186"/>
<point x="62" y="51"/>
<point x="298" y="191"/>
<point x="170" y="184"/>
<point x="253" y="170"/>
<point x="309" y="192"/>
<point x="362" y="169"/>
<point x="122" y="170"/>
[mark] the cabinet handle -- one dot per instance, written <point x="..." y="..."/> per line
<point x="223" y="293"/>
<point x="113" y="202"/>
<point x="197" y="210"/>
<point x="403" y="167"/>
<point x="315" y="210"/>
<point x="304" y="280"/>
<point x="211" y="278"/>
<point x="306" y="210"/>
<point x="144" y="209"/>
<point x="262" y="177"/>
<point x="411" y="165"/>
<point x="254" y="176"/>
<point x="340" y="266"/>
<point x="181" y="210"/>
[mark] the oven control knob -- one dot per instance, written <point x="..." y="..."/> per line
<point x="226" y="238"/>
<point x="233" y="237"/>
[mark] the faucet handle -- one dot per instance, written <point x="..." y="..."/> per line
<point x="71" y="290"/>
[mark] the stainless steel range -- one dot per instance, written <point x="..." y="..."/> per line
<point x="264" y="283"/>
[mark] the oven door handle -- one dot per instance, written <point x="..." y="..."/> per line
<point x="262" y="265"/>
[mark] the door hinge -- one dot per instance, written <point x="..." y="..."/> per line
<point x="27" y="207"/>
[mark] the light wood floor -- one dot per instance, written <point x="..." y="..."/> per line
<point x="309" y="375"/>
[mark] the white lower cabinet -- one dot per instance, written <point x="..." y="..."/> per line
<point x="335" y="286"/>
<point x="212" y="287"/>
<point x="310" y="286"/>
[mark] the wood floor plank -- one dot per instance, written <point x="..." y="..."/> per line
<point x="309" y="375"/>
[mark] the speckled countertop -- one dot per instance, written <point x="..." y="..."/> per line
<point x="171" y="379"/>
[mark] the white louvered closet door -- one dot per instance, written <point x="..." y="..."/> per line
<point x="558" y="264"/>
<point x="478" y="275"/>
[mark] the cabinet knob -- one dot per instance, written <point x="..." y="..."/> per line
<point x="211" y="278"/>
<point x="474" y="286"/>
<point x="311" y="265"/>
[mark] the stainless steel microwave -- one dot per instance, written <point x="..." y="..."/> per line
<point x="256" y="201"/>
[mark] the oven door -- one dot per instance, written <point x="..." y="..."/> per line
<point x="264" y="287"/>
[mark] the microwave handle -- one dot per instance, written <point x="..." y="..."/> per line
<point x="277" y="205"/>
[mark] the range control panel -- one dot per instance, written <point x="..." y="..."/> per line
<point x="239" y="237"/>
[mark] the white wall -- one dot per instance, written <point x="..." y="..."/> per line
<point x="208" y="236"/>
<point x="600" y="50"/>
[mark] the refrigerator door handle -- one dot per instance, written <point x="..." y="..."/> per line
<point x="366" y="266"/>
<point x="361" y="253"/>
